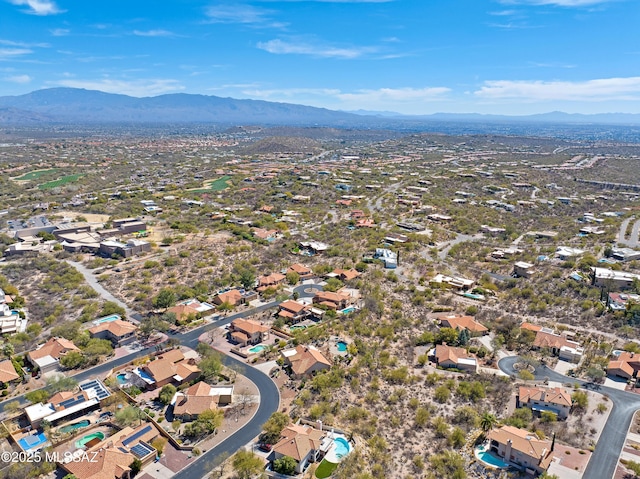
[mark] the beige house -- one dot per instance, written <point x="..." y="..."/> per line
<point x="119" y="332"/>
<point x="293" y="311"/>
<point x="48" y="355"/>
<point x="244" y="332"/>
<point x="452" y="357"/>
<point x="521" y="447"/>
<point x="302" y="443"/>
<point x="304" y="361"/>
<point x="302" y="270"/>
<point x="556" y="400"/>
<point x="461" y="323"/>
<point x="194" y="401"/>
<point x="169" y="367"/>
<point x="8" y="372"/>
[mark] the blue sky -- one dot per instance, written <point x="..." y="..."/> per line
<point x="409" y="56"/>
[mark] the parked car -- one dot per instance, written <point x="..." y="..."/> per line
<point x="265" y="447"/>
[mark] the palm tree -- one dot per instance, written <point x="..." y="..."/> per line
<point x="488" y="421"/>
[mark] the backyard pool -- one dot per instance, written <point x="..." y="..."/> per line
<point x="106" y="319"/>
<point x="93" y="438"/>
<point x="488" y="458"/>
<point x="348" y="310"/>
<point x="121" y="378"/>
<point x="338" y="450"/>
<point x="32" y="442"/>
<point x="257" y="349"/>
<point x="73" y="427"/>
<point x="342" y="346"/>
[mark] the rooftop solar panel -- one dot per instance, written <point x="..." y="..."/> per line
<point x="137" y="435"/>
<point x="72" y="401"/>
<point x="141" y="450"/>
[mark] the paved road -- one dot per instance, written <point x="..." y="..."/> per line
<point x="604" y="460"/>
<point x="269" y="393"/>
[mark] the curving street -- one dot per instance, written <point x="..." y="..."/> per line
<point x="269" y="393"/>
<point x="604" y="460"/>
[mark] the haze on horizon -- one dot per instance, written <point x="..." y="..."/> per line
<point x="513" y="57"/>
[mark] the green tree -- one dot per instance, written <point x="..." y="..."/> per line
<point x="457" y="438"/>
<point x="247" y="278"/>
<point x="166" y="393"/>
<point x="246" y="464"/>
<point x="448" y="465"/>
<point x="580" y="401"/>
<point x="72" y="360"/>
<point x="488" y="421"/>
<point x="285" y="465"/>
<point x="273" y="427"/>
<point x="135" y="467"/>
<point x="211" y="366"/>
<point x="165" y="299"/>
<point x="129" y="415"/>
<point x="448" y="336"/>
<point x="333" y="285"/>
<point x="293" y="278"/>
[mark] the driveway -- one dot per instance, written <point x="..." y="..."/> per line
<point x="605" y="457"/>
<point x="91" y="279"/>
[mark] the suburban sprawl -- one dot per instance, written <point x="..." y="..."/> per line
<point x="314" y="302"/>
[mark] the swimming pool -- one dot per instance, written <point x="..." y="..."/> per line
<point x="73" y="427"/>
<point x="342" y="346"/>
<point x="257" y="349"/>
<point x="32" y="442"/>
<point x="341" y="446"/>
<point x="88" y="438"/>
<point x="339" y="449"/>
<point x="107" y="319"/>
<point x="488" y="458"/>
<point x="348" y="310"/>
<point x="121" y="378"/>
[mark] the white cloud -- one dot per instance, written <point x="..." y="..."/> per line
<point x="154" y="33"/>
<point x="239" y="13"/>
<point x="6" y="53"/>
<point x="39" y="7"/>
<point x="137" y="88"/>
<point x="558" y="3"/>
<point x="60" y="32"/>
<point x="278" y="46"/>
<point x="397" y="99"/>
<point x="604" y="89"/>
<point x="18" y="79"/>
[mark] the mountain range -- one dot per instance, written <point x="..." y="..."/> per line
<point x="74" y="105"/>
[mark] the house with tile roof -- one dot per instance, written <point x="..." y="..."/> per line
<point x="8" y="372"/>
<point x="272" y="280"/>
<point x="305" y="361"/>
<point x="302" y="443"/>
<point x="331" y="300"/>
<point x="624" y="365"/>
<point x="108" y="463"/>
<point x="522" y="448"/>
<point x="559" y="345"/>
<point x="460" y="323"/>
<point x="183" y="312"/>
<point x="293" y="311"/>
<point x="191" y="402"/>
<point x="538" y="399"/>
<point x="119" y="332"/>
<point x="344" y="274"/>
<point x="453" y="357"/>
<point x="47" y="356"/>
<point x="303" y="271"/>
<point x="244" y="332"/>
<point x="168" y="367"/>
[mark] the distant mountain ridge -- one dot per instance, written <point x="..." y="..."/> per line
<point x="80" y="105"/>
<point x="75" y="105"/>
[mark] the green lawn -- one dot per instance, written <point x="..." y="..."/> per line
<point x="325" y="469"/>
<point x="217" y="185"/>
<point x="60" y="182"/>
<point x="34" y="175"/>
